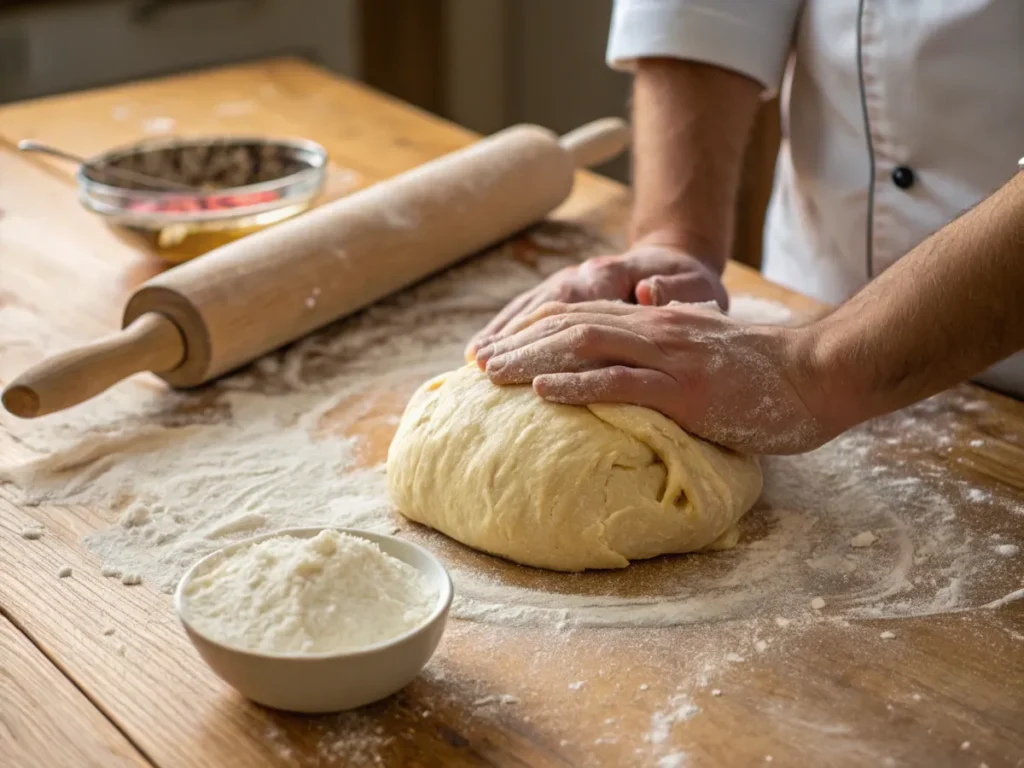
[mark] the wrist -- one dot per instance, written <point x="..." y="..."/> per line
<point x="830" y="391"/>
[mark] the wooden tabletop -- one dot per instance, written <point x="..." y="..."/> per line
<point x="753" y="682"/>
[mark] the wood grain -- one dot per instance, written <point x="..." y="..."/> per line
<point x="829" y="693"/>
<point x="44" y="719"/>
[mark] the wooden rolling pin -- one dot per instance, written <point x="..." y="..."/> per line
<point x="211" y="315"/>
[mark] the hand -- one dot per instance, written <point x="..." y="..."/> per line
<point x="746" y="387"/>
<point x="650" y="275"/>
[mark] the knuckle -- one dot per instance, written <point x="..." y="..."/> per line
<point x="617" y="377"/>
<point x="582" y="337"/>
<point x="607" y="264"/>
<point x="665" y="317"/>
<point x="566" y="292"/>
<point x="555" y="307"/>
<point x="562" y="323"/>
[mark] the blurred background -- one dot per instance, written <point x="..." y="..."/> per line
<point x="484" y="64"/>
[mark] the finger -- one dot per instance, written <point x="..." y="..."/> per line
<point x="615" y="384"/>
<point x="509" y="311"/>
<point x="552" y="308"/>
<point x="548" y="326"/>
<point x="688" y="288"/>
<point x="496" y="323"/>
<point x="579" y="348"/>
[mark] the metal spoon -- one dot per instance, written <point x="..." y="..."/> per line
<point x="28" y="145"/>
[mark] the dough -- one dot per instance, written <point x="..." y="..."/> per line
<point x="559" y="486"/>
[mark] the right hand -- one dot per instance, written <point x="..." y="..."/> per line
<point x="647" y="274"/>
<point x="757" y="389"/>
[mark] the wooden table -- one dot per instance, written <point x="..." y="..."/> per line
<point x="948" y="689"/>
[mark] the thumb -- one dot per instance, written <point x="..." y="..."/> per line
<point x="689" y="288"/>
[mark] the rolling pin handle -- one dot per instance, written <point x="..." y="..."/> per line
<point x="151" y="343"/>
<point x="597" y="142"/>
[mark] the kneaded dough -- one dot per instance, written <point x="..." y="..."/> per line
<point x="559" y="486"/>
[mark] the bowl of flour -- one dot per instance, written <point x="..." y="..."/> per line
<point x="316" y="619"/>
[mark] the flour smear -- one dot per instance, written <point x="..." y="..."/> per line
<point x="283" y="444"/>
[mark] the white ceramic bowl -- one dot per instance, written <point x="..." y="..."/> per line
<point x="326" y="682"/>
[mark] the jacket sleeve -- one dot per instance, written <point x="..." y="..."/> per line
<point x="752" y="37"/>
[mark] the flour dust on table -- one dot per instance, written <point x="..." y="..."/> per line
<point x="287" y="443"/>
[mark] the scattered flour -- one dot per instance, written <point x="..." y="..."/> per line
<point x="679" y="710"/>
<point x="753" y="309"/>
<point x="863" y="539"/>
<point x="1012" y="597"/>
<point x="817" y="603"/>
<point x="281" y="444"/>
<point x="672" y="760"/>
<point x="887" y="635"/>
<point x="1007" y="550"/>
<point x="332" y="592"/>
<point x="158" y="126"/>
<point x="503" y="698"/>
<point x="978" y="494"/>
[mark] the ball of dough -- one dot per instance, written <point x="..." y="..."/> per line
<point x="559" y="486"/>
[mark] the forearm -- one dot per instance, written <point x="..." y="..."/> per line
<point x="691" y="125"/>
<point x="946" y="311"/>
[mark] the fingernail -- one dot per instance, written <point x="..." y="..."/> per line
<point x="496" y="364"/>
<point x="652" y="286"/>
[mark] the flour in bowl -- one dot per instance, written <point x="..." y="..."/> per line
<point x="333" y="592"/>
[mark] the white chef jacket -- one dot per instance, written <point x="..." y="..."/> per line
<point x="937" y="85"/>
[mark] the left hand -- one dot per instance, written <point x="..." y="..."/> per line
<point x="651" y="274"/>
<point x="746" y="387"/>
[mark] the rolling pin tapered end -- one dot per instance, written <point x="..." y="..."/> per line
<point x="21" y="401"/>
<point x="151" y="343"/>
<point x="597" y="142"/>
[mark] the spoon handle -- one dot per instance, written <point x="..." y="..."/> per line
<point x="29" y="145"/>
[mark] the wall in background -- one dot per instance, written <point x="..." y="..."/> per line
<point x="511" y="61"/>
<point x="52" y="47"/>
